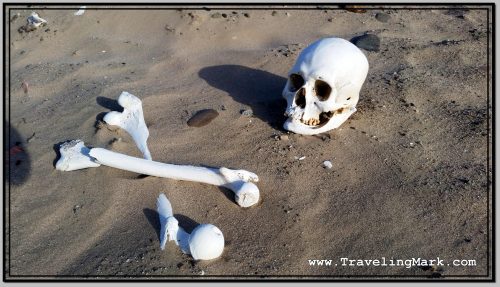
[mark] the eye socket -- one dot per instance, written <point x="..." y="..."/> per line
<point x="296" y="81"/>
<point x="300" y="98"/>
<point x="323" y="90"/>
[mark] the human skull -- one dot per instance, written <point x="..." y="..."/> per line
<point x="323" y="86"/>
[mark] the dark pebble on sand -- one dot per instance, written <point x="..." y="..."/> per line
<point x="368" y="42"/>
<point x="202" y="118"/>
<point x="382" y="17"/>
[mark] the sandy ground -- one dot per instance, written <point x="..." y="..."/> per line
<point x="410" y="168"/>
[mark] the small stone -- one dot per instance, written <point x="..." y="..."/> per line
<point x="247" y="113"/>
<point x="368" y="42"/>
<point x="202" y="118"/>
<point x="14" y="18"/>
<point x="223" y="108"/>
<point x="274" y="13"/>
<point x="383" y="17"/>
<point x="412" y="145"/>
<point x="246" y="15"/>
<point x="25" y="86"/>
<point x="327" y="164"/>
<point x="224" y="15"/>
<point x="31" y="138"/>
<point x="288" y="14"/>
<point x="330" y="19"/>
<point x="215" y="15"/>
<point x="76" y="208"/>
<point x="169" y="29"/>
<point x="302" y="158"/>
<point x="283" y="137"/>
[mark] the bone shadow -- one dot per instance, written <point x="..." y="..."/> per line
<point x="258" y="89"/>
<point x="56" y="149"/>
<point x="16" y="157"/>
<point x="154" y="219"/>
<point x="109" y="104"/>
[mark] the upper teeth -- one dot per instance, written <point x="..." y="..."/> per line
<point x="311" y="122"/>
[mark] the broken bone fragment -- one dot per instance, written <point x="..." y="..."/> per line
<point x="241" y="182"/>
<point x="74" y="156"/>
<point x="35" y="21"/>
<point x="202" y="118"/>
<point x="206" y="241"/>
<point x="131" y="120"/>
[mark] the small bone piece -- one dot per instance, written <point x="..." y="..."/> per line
<point x="34" y="21"/>
<point x="239" y="181"/>
<point x="206" y="242"/>
<point x="131" y="120"/>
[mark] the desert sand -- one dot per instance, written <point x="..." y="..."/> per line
<point x="410" y="169"/>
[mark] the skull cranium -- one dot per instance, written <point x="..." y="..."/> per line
<point x="323" y="86"/>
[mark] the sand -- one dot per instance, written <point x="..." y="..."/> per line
<point x="410" y="168"/>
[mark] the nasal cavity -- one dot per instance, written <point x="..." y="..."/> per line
<point x="300" y="98"/>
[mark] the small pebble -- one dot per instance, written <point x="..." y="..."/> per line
<point x="216" y="15"/>
<point x="246" y="15"/>
<point x="382" y="17"/>
<point x="202" y="118"/>
<point x="368" y="42"/>
<point x="283" y="137"/>
<point x="247" y="113"/>
<point x="412" y="144"/>
<point x="327" y="164"/>
<point x="274" y="13"/>
<point x="288" y="14"/>
<point x="76" y="207"/>
<point x="31" y="138"/>
<point x="25" y="86"/>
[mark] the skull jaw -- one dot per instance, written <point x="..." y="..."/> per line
<point x="294" y="125"/>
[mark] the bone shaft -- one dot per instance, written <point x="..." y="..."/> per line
<point x="172" y="171"/>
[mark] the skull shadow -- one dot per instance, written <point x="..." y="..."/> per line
<point x="258" y="89"/>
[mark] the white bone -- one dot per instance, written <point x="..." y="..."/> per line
<point x="206" y="241"/>
<point x="34" y="20"/>
<point x="131" y="120"/>
<point x="74" y="155"/>
<point x="238" y="181"/>
<point x="342" y="67"/>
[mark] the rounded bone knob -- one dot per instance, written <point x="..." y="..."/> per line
<point x="206" y="242"/>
